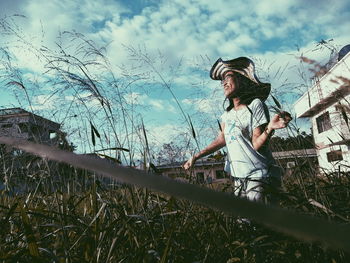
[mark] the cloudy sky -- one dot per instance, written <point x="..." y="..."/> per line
<point x="188" y="36"/>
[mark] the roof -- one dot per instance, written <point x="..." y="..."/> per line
<point x="295" y="154"/>
<point x="326" y="91"/>
<point x="13" y="112"/>
<point x="198" y="163"/>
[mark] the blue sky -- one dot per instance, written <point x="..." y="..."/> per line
<point x="192" y="34"/>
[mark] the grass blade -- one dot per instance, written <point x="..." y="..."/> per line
<point x="219" y="125"/>
<point x="93" y="136"/>
<point x="192" y="129"/>
<point x="113" y="148"/>
<point x="276" y="102"/>
<point x="29" y="233"/>
<point x="95" y="130"/>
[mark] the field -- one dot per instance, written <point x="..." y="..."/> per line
<point x="70" y="215"/>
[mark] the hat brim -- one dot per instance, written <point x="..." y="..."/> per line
<point x="246" y="68"/>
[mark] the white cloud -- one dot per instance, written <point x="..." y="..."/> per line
<point x="39" y="29"/>
<point x="63" y="15"/>
<point x="157" y="104"/>
<point x="84" y="98"/>
<point x="204" y="28"/>
<point x="144" y="100"/>
<point x="44" y="102"/>
<point x="164" y="133"/>
<point x="274" y="7"/>
<point x="210" y="105"/>
<point x="135" y="98"/>
<point x="34" y="78"/>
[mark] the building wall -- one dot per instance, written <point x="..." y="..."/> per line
<point x="337" y="133"/>
<point x="289" y="160"/>
<point x="28" y="126"/>
<point x="298" y="163"/>
<point x="9" y="126"/>
<point x="202" y="174"/>
<point x="342" y="165"/>
<point x="323" y="97"/>
<point x="339" y="129"/>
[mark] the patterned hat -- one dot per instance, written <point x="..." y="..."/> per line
<point x="246" y="68"/>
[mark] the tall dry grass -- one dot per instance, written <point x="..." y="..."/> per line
<point x="128" y="224"/>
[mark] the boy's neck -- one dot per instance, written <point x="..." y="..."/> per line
<point x="237" y="104"/>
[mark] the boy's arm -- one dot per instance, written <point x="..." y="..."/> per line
<point x="262" y="133"/>
<point x="215" y="145"/>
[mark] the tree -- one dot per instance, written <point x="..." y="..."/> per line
<point x="170" y="153"/>
<point x="301" y="141"/>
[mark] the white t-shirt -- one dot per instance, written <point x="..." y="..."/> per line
<point x="244" y="160"/>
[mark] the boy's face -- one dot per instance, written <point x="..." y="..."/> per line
<point x="229" y="84"/>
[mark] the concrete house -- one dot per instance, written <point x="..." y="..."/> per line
<point x="21" y="124"/>
<point x="205" y="170"/>
<point x="327" y="104"/>
<point x="16" y="122"/>
<point x="208" y="170"/>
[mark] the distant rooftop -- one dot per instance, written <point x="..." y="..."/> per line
<point x="12" y="111"/>
<point x="8" y="113"/>
<point x="203" y="162"/>
<point x="22" y="124"/>
<point x="302" y="153"/>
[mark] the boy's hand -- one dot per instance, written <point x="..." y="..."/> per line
<point x="280" y="120"/>
<point x="187" y="165"/>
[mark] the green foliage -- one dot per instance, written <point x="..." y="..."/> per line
<point x="300" y="141"/>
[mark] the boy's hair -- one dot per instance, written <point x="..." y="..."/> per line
<point x="246" y="90"/>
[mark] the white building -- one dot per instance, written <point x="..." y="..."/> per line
<point x="327" y="104"/>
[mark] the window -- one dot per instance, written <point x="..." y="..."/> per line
<point x="36" y="130"/>
<point x="175" y="175"/>
<point x="200" y="177"/>
<point x="290" y="164"/>
<point x="17" y="152"/>
<point x="23" y="127"/>
<point x="172" y="175"/>
<point x="334" y="156"/>
<point x="7" y="125"/>
<point x="323" y="122"/>
<point x="209" y="180"/>
<point x="219" y="174"/>
<point x="53" y="135"/>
